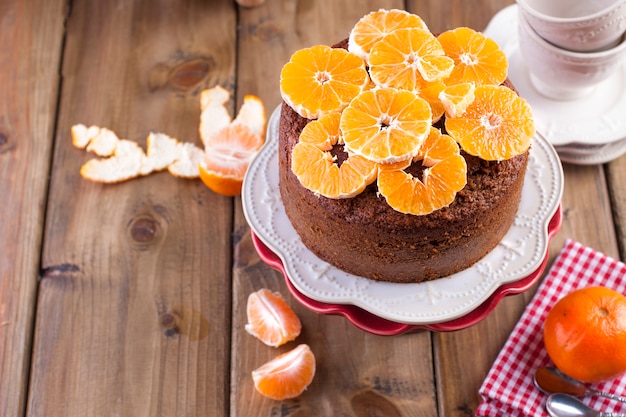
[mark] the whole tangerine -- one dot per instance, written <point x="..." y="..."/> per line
<point x="585" y="334"/>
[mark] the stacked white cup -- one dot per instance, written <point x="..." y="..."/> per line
<point x="571" y="46"/>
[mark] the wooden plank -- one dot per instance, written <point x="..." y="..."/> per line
<point x="31" y="35"/>
<point x="616" y="178"/>
<point x="369" y="375"/>
<point x="584" y="189"/>
<point x="134" y="314"/>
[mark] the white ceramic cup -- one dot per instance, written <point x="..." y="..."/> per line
<point x="561" y="74"/>
<point x="577" y="25"/>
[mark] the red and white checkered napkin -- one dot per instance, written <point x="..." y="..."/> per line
<point x="508" y="389"/>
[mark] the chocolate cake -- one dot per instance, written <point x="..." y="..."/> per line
<point x="365" y="236"/>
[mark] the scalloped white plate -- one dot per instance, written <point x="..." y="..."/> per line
<point x="595" y="119"/>
<point x="520" y="252"/>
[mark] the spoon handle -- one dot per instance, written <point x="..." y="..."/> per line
<point x="611" y="396"/>
<point x="611" y="415"/>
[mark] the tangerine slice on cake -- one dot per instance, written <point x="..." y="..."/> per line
<point x="374" y="26"/>
<point x="270" y="319"/>
<point x="407" y="57"/>
<point x="287" y="375"/>
<point x="321" y="79"/>
<point x="497" y="124"/>
<point x="444" y="174"/>
<point x="323" y="132"/>
<point x="385" y="125"/>
<point x="316" y="167"/>
<point x="455" y="98"/>
<point x="477" y="58"/>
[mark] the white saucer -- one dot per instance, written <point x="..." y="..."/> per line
<point x="595" y="119"/>
<point x="519" y="253"/>
<point x="591" y="154"/>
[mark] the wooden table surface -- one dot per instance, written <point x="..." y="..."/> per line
<point x="129" y="299"/>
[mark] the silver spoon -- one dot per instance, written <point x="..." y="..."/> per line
<point x="563" y="405"/>
<point x="550" y="380"/>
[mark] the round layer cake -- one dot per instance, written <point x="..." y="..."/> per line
<point x="365" y="236"/>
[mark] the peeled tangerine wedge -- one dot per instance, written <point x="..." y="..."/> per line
<point x="229" y="145"/>
<point x="444" y="174"/>
<point x="314" y="165"/>
<point x="455" y="98"/>
<point x="270" y="319"/>
<point x="287" y="375"/>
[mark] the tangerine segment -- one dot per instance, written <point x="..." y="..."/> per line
<point x="444" y="175"/>
<point x="227" y="157"/>
<point x="287" y="375"/>
<point x="477" y="58"/>
<point x="321" y="79"/>
<point x="455" y="98"/>
<point x="323" y="132"/>
<point x="318" y="172"/>
<point x="406" y="57"/>
<point x="497" y="125"/>
<point x="374" y="26"/>
<point x="385" y="125"/>
<point x="270" y="319"/>
<point x="585" y="332"/>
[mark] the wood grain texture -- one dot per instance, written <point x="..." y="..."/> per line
<point x="358" y="374"/>
<point x="129" y="299"/>
<point x="133" y="317"/>
<point x="31" y="35"/>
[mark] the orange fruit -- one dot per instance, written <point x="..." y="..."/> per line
<point x="321" y="79"/>
<point x="270" y="319"/>
<point x="443" y="175"/>
<point x="496" y="125"/>
<point x="323" y="132"/>
<point x="385" y="125"/>
<point x="406" y="58"/>
<point x="315" y="166"/>
<point x="287" y="375"/>
<point x="374" y="26"/>
<point x="230" y="145"/>
<point x="585" y="334"/>
<point x="227" y="157"/>
<point x="455" y="98"/>
<point x="477" y="58"/>
<point x="430" y="92"/>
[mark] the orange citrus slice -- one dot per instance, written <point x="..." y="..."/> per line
<point x="287" y="375"/>
<point x="270" y="319"/>
<point x="227" y="157"/>
<point x="477" y="58"/>
<point x="374" y="26"/>
<point x="406" y="57"/>
<point x="456" y="98"/>
<point x="385" y="125"/>
<point x="316" y="168"/>
<point x="323" y="132"/>
<point x="444" y="174"/>
<point x="321" y="79"/>
<point x="497" y="125"/>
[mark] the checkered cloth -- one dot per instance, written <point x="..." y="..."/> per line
<point x="508" y="389"/>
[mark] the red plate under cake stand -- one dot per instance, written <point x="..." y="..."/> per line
<point x="371" y="323"/>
